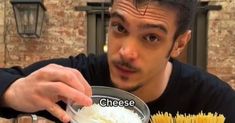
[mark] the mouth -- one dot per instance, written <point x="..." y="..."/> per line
<point x="124" y="71"/>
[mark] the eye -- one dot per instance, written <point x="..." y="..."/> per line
<point x="152" y="38"/>
<point x="118" y="28"/>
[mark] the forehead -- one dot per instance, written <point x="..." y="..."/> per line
<point x="150" y="11"/>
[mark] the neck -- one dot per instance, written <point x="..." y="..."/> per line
<point x="156" y="87"/>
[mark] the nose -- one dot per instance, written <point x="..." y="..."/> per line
<point x="128" y="51"/>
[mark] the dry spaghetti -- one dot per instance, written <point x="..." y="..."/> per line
<point x="180" y="118"/>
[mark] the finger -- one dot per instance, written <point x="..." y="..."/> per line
<point x="85" y="84"/>
<point x="81" y="79"/>
<point x="55" y="72"/>
<point x="63" y="90"/>
<point x="59" y="113"/>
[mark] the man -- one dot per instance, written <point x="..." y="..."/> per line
<point x="144" y="38"/>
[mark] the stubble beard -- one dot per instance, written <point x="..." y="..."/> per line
<point x="129" y="89"/>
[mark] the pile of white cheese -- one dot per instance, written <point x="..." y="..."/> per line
<point x="97" y="114"/>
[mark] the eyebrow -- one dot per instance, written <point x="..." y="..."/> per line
<point x="116" y="14"/>
<point x="159" y="26"/>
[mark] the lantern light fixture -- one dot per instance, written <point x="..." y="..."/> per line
<point x="29" y="16"/>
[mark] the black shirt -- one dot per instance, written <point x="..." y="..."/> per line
<point x="190" y="90"/>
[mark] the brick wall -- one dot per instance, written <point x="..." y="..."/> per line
<point x="2" y="46"/>
<point x="221" y="41"/>
<point x="64" y="34"/>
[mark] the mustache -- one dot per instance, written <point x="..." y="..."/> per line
<point x="126" y="64"/>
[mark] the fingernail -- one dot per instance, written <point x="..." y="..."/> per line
<point x="89" y="101"/>
<point x="66" y="118"/>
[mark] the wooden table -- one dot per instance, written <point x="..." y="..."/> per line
<point x="25" y="119"/>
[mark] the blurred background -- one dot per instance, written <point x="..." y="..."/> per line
<point x="71" y="27"/>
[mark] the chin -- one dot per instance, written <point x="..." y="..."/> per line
<point x="127" y="86"/>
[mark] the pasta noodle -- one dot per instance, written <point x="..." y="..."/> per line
<point x="180" y="118"/>
<point x="161" y="118"/>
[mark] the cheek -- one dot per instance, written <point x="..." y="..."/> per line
<point x="154" y="65"/>
<point x="154" y="60"/>
<point x="114" y="44"/>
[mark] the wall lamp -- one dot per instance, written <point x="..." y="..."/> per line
<point x="29" y="16"/>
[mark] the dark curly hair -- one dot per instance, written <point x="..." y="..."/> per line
<point x="186" y="10"/>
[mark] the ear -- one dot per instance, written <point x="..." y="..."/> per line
<point x="180" y="43"/>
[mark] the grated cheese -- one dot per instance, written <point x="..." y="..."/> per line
<point x="97" y="114"/>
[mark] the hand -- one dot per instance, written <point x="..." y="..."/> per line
<point x="46" y="86"/>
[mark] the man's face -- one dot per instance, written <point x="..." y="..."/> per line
<point x="139" y="45"/>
